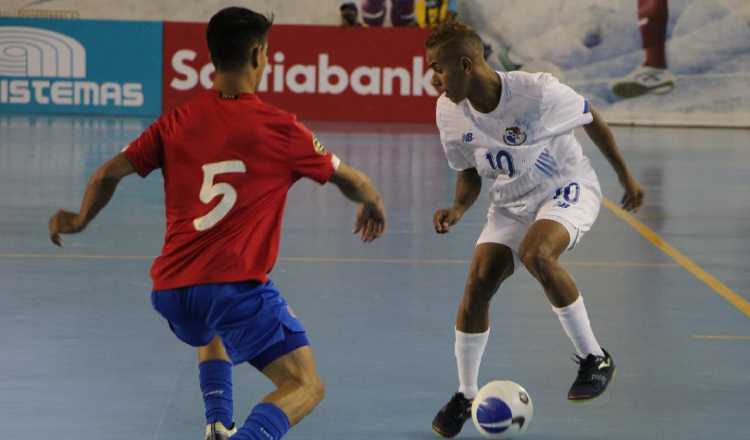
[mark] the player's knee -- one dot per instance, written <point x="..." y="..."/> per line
<point x="482" y="285"/>
<point x="539" y="261"/>
<point x="315" y="390"/>
<point x="476" y="294"/>
<point x="308" y="386"/>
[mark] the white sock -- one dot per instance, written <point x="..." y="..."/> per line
<point x="575" y="321"/>
<point x="469" y="350"/>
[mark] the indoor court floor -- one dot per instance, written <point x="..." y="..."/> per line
<point x="668" y="292"/>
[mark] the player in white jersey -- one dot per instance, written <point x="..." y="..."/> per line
<point x="516" y="129"/>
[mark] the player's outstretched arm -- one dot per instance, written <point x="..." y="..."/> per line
<point x="357" y="187"/>
<point x="468" y="188"/>
<point x="99" y="191"/>
<point x="599" y="132"/>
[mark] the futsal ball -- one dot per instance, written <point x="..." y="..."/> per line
<point x="502" y="409"/>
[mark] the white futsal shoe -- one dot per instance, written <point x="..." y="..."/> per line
<point x="643" y="80"/>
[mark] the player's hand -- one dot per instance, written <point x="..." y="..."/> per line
<point x="633" y="197"/>
<point x="445" y="218"/>
<point x="370" y="223"/>
<point x="64" y="222"/>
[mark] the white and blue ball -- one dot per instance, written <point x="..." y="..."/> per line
<point x="502" y="409"/>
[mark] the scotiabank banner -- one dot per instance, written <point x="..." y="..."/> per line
<point x="318" y="72"/>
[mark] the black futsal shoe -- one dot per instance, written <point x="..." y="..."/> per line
<point x="594" y="374"/>
<point x="451" y="418"/>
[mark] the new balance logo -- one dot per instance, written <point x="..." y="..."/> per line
<point x="49" y="68"/>
<point x="33" y="52"/>
<point x="468" y="137"/>
<point x="605" y="364"/>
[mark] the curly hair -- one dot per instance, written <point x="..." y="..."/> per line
<point x="458" y="36"/>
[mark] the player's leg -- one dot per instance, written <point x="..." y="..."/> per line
<point x="653" y="16"/>
<point x="215" y="376"/>
<point x="543" y="244"/>
<point x="185" y="310"/>
<point x="373" y="12"/>
<point x="560" y="224"/>
<point x="299" y="388"/>
<point x="652" y="76"/>
<point x="491" y="264"/>
<point x="298" y="391"/>
<point x="257" y="326"/>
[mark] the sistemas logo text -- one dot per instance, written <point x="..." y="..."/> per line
<point x="42" y="67"/>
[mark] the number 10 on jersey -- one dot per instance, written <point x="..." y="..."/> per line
<point x="496" y="162"/>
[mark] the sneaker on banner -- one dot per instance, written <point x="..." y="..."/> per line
<point x="644" y="80"/>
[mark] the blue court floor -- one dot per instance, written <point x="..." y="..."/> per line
<point x="84" y="356"/>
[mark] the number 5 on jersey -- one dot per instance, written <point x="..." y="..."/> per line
<point x="209" y="190"/>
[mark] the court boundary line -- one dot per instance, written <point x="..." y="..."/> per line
<point x="720" y="338"/>
<point x="681" y="259"/>
<point x="405" y="261"/>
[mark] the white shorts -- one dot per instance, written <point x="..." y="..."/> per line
<point x="575" y="205"/>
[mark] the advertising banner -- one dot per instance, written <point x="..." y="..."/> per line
<point x="318" y="72"/>
<point x="661" y="62"/>
<point x="80" y="66"/>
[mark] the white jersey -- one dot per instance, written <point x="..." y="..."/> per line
<point x="525" y="144"/>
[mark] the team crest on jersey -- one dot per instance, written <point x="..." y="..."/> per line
<point x="319" y="148"/>
<point x="514" y="136"/>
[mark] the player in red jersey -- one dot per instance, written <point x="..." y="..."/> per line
<point x="228" y="161"/>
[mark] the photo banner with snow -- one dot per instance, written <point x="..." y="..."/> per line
<point x="662" y="62"/>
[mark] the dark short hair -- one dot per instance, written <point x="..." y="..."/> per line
<point x="348" y="5"/>
<point x="455" y="35"/>
<point x="232" y="32"/>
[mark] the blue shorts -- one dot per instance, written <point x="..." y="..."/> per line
<point x="252" y="319"/>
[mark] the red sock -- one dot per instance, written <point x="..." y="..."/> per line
<point x="652" y="17"/>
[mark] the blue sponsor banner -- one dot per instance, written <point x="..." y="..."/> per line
<point x="80" y="66"/>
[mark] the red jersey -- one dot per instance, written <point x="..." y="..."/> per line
<point x="228" y="165"/>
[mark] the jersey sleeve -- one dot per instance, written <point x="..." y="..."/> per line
<point x="563" y="109"/>
<point x="456" y="158"/>
<point x="146" y="152"/>
<point x="309" y="158"/>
